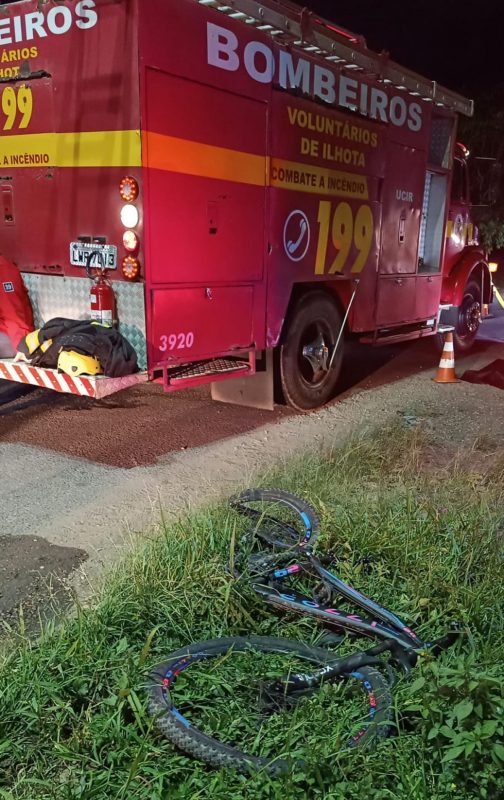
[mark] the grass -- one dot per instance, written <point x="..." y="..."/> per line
<point x="73" y="724"/>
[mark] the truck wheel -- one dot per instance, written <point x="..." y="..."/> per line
<point x="308" y="341"/>
<point x="469" y="318"/>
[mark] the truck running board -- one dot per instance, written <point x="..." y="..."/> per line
<point x="393" y="336"/>
<point x="208" y="371"/>
<point x="96" y="386"/>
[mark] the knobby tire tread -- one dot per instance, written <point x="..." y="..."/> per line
<point x="217" y="754"/>
<point x="270" y="495"/>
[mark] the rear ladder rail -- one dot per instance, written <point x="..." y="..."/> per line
<point x="315" y="36"/>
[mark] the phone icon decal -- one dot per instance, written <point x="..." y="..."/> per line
<point x="296" y="235"/>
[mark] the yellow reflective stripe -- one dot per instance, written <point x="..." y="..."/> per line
<point x="208" y="161"/>
<point x="172" y="154"/>
<point x="32" y="341"/>
<point x="46" y="345"/>
<point x="84" y="149"/>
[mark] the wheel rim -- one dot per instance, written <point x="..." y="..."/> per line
<point x="230" y="693"/>
<point x="469" y="317"/>
<point x="314" y="353"/>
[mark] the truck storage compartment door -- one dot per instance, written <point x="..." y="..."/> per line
<point x="205" y="150"/>
<point x="428" y="291"/>
<point x="196" y="323"/>
<point x="396" y="300"/>
<point x="27" y="172"/>
<point x="401" y="211"/>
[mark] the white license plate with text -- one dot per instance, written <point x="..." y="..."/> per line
<point x="89" y="254"/>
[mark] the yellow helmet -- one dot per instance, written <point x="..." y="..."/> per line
<point x="75" y="364"/>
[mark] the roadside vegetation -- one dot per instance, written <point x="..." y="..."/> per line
<point x="73" y="722"/>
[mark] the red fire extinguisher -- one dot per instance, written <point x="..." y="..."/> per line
<point x="103" y="302"/>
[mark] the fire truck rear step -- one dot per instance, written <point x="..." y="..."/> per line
<point x="96" y="386"/>
<point x="206" y="371"/>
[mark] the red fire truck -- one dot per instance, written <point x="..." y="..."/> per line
<point x="258" y="183"/>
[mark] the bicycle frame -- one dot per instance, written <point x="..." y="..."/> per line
<point x="381" y="623"/>
<point x="397" y="637"/>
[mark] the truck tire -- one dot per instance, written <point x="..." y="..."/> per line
<point x="469" y="318"/>
<point x="308" y="340"/>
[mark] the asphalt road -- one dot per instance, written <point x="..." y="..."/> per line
<point x="492" y="329"/>
<point x="140" y="425"/>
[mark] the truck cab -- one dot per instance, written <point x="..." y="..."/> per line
<point x="466" y="278"/>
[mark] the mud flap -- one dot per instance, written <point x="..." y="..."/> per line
<point x="254" y="391"/>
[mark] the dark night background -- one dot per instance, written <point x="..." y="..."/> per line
<point x="458" y="44"/>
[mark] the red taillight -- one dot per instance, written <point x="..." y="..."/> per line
<point x="130" y="268"/>
<point x="341" y="31"/>
<point x="131" y="241"/>
<point x="128" y="189"/>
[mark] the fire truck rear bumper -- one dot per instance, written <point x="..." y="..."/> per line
<point x="96" y="387"/>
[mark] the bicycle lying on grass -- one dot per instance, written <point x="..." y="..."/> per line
<point x="241" y="685"/>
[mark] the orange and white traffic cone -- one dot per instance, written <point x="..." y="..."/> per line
<point x="446" y="369"/>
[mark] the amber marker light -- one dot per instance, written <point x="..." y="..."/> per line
<point x="493" y="266"/>
<point x="130" y="268"/>
<point x="128" y="189"/>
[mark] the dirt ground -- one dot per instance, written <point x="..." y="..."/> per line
<point x="32" y="579"/>
<point x="138" y="426"/>
<point x="67" y="519"/>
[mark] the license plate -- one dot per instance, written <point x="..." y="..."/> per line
<point x="87" y="254"/>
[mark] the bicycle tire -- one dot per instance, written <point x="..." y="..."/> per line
<point x="309" y="519"/>
<point x="203" y="747"/>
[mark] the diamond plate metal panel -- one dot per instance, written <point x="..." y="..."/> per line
<point x="57" y="296"/>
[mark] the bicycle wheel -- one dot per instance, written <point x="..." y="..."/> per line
<point x="207" y="699"/>
<point x="283" y="520"/>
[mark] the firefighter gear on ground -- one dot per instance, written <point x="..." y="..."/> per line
<point x="114" y="353"/>
<point x="76" y="364"/>
<point x="16" y="317"/>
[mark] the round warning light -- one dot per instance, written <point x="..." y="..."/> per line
<point x="130" y="268"/>
<point x="129" y="216"/>
<point x="128" y="189"/>
<point x="131" y="241"/>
